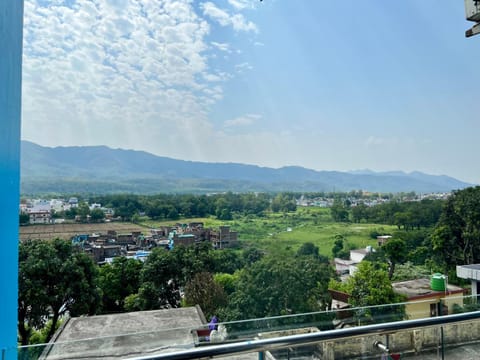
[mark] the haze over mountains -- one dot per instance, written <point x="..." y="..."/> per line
<point x="99" y="169"/>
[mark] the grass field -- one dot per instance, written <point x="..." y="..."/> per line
<point x="281" y="233"/>
<point x="275" y="233"/>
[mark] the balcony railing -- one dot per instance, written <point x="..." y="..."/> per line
<point x="299" y="336"/>
<point x="384" y="330"/>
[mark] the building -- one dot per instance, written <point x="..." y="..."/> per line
<point x="100" y="253"/>
<point x="120" y="336"/>
<point x="223" y="238"/>
<point x="347" y="268"/>
<point x="184" y="239"/>
<point x="472" y="273"/>
<point x="73" y="202"/>
<point x="422" y="301"/>
<point x="359" y="254"/>
<point x="40" y="216"/>
<point x="426" y="302"/>
<point x="342" y="266"/>
<point x="382" y="239"/>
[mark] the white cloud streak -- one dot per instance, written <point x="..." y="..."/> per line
<point x="242" y="4"/>
<point x="244" y="120"/>
<point x="237" y="21"/>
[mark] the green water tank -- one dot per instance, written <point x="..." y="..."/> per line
<point x="437" y="282"/>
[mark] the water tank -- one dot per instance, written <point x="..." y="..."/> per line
<point x="437" y="282"/>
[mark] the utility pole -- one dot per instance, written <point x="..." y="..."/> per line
<point x="11" y="34"/>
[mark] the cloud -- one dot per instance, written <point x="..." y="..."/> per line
<point x="120" y="73"/>
<point x="396" y="142"/>
<point x="242" y="4"/>
<point x="237" y="21"/>
<point x="222" y="46"/>
<point x="244" y="120"/>
<point x="376" y="141"/>
<point x="243" y="67"/>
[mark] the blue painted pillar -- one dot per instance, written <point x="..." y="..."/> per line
<point x="11" y="32"/>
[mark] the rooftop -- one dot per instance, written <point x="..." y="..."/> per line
<point x="472" y="267"/>
<point x="421" y="288"/>
<point x="118" y="336"/>
<point x="471" y="272"/>
<point x="360" y="251"/>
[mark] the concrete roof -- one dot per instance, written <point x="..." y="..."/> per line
<point x="344" y="262"/>
<point x="471" y="272"/>
<point x="119" y="336"/>
<point x="420" y="288"/>
<point x="473" y="266"/>
<point x="360" y="251"/>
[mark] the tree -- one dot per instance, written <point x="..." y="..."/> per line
<point x="97" y="215"/>
<point x="54" y="277"/>
<point x="160" y="281"/>
<point x="283" y="202"/>
<point x="71" y="213"/>
<point x="172" y="213"/>
<point x="251" y="255"/>
<point x="117" y="281"/>
<point x="455" y="239"/>
<point x="308" y="249"/>
<point x="223" y="209"/>
<point x="339" y="249"/>
<point x="135" y="218"/>
<point x="226" y="281"/>
<point x="359" y="212"/>
<point x="339" y="211"/>
<point x="282" y="286"/>
<point x="396" y="252"/>
<point x="202" y="290"/>
<point x="83" y="211"/>
<point x="370" y="286"/>
<point x="409" y="271"/>
<point x="226" y="261"/>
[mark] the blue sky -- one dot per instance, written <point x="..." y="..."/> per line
<point x="328" y="85"/>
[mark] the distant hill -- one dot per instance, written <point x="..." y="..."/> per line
<point x="99" y="169"/>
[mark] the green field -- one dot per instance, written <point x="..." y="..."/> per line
<point x="281" y="233"/>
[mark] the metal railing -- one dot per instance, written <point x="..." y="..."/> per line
<point x="279" y="336"/>
<point x="262" y="345"/>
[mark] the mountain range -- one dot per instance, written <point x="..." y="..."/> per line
<point x="100" y="169"/>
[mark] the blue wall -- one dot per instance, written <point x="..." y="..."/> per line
<point x="11" y="30"/>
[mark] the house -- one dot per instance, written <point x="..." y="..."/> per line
<point x="100" y="253"/>
<point x="342" y="266"/>
<point x="40" y="216"/>
<point x="348" y="267"/>
<point x="73" y="202"/>
<point x="127" y="239"/>
<point x="223" y="238"/>
<point x="424" y="299"/>
<point x="184" y="239"/>
<point x="358" y="255"/>
<point x="57" y="205"/>
<point x="382" y="239"/>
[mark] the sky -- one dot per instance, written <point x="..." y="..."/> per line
<point x="327" y="85"/>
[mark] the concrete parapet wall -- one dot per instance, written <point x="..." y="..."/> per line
<point x="405" y="342"/>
